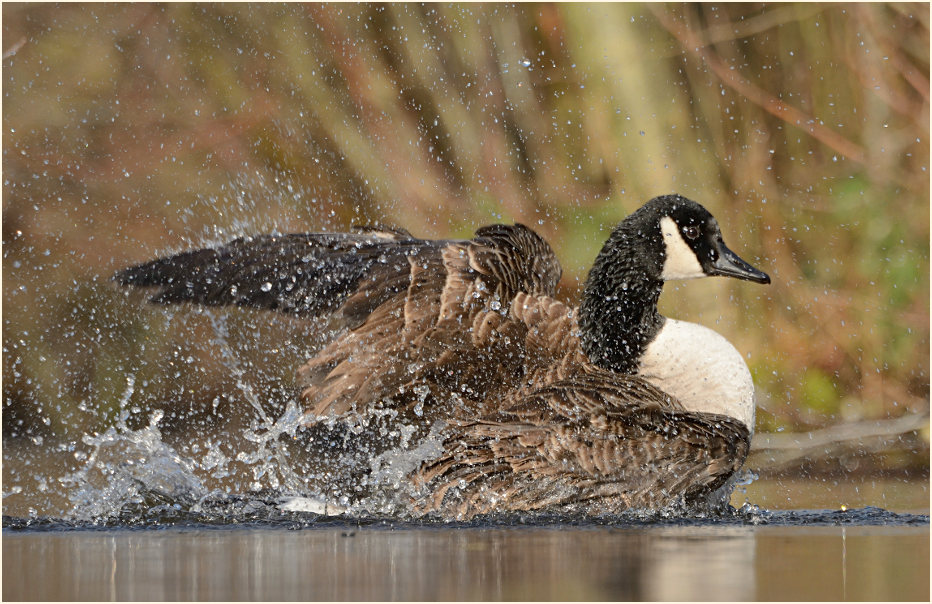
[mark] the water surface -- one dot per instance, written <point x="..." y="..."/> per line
<point x="471" y="563"/>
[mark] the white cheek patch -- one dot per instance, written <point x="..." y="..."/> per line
<point x="681" y="262"/>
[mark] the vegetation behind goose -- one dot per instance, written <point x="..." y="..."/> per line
<point x="523" y="402"/>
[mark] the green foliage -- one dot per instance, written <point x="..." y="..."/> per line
<point x="819" y="392"/>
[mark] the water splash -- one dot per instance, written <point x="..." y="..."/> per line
<point x="131" y="467"/>
<point x="274" y="462"/>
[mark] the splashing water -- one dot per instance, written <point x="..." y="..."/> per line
<point x="131" y="467"/>
<point x="273" y="463"/>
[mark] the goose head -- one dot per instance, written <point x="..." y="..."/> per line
<point x="669" y="237"/>
<point x="677" y="238"/>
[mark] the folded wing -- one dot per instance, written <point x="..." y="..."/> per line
<point x="592" y="442"/>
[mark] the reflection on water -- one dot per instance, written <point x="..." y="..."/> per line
<point x="601" y="563"/>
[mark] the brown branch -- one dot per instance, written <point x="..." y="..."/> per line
<point x="784" y="13"/>
<point x="909" y="72"/>
<point x="692" y="44"/>
<point x="775" y="450"/>
<point x="15" y="48"/>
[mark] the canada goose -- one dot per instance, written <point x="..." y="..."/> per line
<point x="531" y="404"/>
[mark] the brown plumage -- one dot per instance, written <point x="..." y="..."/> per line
<point x="467" y="334"/>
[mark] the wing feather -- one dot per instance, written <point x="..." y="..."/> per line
<point x="578" y="444"/>
<point x="449" y="331"/>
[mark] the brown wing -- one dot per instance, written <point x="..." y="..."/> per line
<point x="593" y="442"/>
<point x="350" y="274"/>
<point x="423" y="319"/>
<point x="308" y="274"/>
<point x="450" y="338"/>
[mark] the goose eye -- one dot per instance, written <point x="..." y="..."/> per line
<point x="691" y="232"/>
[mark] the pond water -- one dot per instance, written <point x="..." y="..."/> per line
<point x="257" y="552"/>
<point x="404" y="562"/>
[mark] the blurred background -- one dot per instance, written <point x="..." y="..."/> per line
<point x="136" y="130"/>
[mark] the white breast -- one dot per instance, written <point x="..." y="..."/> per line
<point x="701" y="369"/>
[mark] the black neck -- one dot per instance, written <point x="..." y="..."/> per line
<point x="618" y="316"/>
